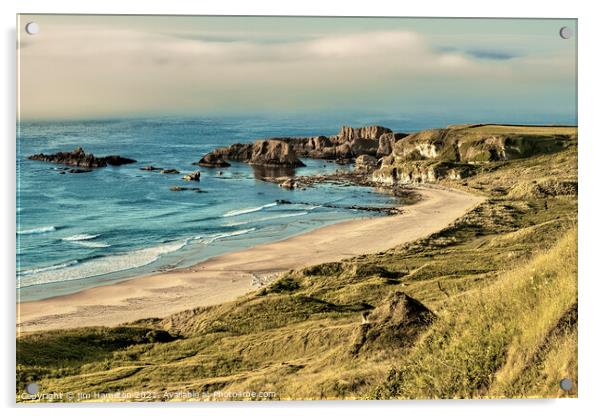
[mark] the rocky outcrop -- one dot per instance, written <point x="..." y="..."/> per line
<point x="194" y="176"/>
<point x="82" y="159"/>
<point x="348" y="144"/>
<point x="170" y="171"/>
<point x="318" y="147"/>
<point x="387" y="141"/>
<point x="269" y="153"/>
<point x="238" y="152"/>
<point x="213" y="160"/>
<point x="349" y="134"/>
<point x="366" y="164"/>
<point x="274" y="153"/>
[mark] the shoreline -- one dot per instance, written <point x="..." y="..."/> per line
<point x="225" y="277"/>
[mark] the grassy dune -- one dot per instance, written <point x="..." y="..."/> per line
<point x="518" y="340"/>
<point x="483" y="308"/>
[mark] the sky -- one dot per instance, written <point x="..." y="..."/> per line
<point x="85" y="66"/>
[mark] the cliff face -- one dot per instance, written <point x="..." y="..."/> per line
<point x="456" y="151"/>
<point x="349" y="143"/>
<point x="349" y="134"/>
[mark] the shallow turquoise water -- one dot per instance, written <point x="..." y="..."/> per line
<point x="82" y="230"/>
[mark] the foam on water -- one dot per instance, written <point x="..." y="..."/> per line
<point x="39" y="230"/>
<point x="81" y="237"/>
<point x="214" y="237"/>
<point x="45" y="269"/>
<point x="273" y="217"/>
<point x="92" y="244"/>
<point x="243" y="211"/>
<point x="98" y="266"/>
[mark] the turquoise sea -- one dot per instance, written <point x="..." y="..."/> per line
<point x="81" y="230"/>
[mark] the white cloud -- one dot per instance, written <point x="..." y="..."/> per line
<point x="84" y="70"/>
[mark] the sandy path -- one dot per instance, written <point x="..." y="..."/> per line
<point x="225" y="277"/>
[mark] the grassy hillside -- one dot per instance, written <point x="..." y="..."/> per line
<point x="485" y="308"/>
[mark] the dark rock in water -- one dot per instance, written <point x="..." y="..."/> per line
<point x="115" y="160"/>
<point x="194" y="176"/>
<point x="185" y="188"/>
<point x="150" y="167"/>
<point x="213" y="160"/>
<point x="162" y="170"/>
<point x="79" y="158"/>
<point x="289" y="184"/>
<point x="79" y="170"/>
<point x="343" y="161"/>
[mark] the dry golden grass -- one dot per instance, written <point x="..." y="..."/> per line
<point x="514" y="338"/>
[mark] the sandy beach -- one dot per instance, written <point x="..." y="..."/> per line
<point x="223" y="278"/>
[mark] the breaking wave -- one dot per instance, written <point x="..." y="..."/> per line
<point x="248" y="210"/>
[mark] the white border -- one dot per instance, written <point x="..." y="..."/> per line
<point x="590" y="157"/>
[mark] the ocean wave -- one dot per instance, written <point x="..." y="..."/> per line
<point x="273" y="217"/>
<point x="214" y="237"/>
<point x="92" y="244"/>
<point x="98" y="266"/>
<point x="39" y="230"/>
<point x="48" y="268"/>
<point x="248" y="210"/>
<point x="81" y="237"/>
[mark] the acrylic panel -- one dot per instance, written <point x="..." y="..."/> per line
<point x="216" y="208"/>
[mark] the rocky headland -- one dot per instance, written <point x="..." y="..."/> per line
<point x="385" y="157"/>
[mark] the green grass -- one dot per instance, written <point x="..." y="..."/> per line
<point x="500" y="283"/>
